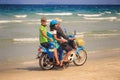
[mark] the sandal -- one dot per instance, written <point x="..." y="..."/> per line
<point x="57" y="64"/>
<point x="61" y="63"/>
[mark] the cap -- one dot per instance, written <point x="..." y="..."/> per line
<point x="53" y="22"/>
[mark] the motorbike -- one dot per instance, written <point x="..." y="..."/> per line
<point x="47" y="61"/>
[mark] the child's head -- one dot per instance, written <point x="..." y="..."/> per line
<point x="53" y="24"/>
<point x="43" y="21"/>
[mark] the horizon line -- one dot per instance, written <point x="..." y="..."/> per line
<point x="55" y="4"/>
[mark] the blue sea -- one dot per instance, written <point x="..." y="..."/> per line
<point x="98" y="24"/>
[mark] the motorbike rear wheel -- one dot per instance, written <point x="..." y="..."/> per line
<point x="45" y="62"/>
<point x="80" y="58"/>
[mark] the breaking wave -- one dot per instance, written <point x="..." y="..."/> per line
<point x="10" y="21"/>
<point x="36" y="21"/>
<point x="25" y="39"/>
<point x="20" y="16"/>
<point x="101" y="18"/>
<point x="90" y="15"/>
<point x="107" y="12"/>
<point x="118" y="13"/>
<point x="49" y="14"/>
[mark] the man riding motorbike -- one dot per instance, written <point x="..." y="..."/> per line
<point x="62" y="39"/>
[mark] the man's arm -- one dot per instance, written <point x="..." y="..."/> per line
<point x="62" y="34"/>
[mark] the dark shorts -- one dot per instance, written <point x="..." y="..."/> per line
<point x="45" y="44"/>
<point x="72" y="44"/>
<point x="65" y="46"/>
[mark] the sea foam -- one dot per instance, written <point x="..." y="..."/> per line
<point x="90" y="15"/>
<point x="10" y="21"/>
<point x="26" y="39"/>
<point x="101" y="18"/>
<point x="107" y="12"/>
<point x="20" y="16"/>
<point x="118" y="13"/>
<point x="61" y="14"/>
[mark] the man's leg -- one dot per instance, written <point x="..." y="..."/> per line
<point x="68" y="49"/>
<point x="66" y="56"/>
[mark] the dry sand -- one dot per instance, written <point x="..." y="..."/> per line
<point x="101" y="65"/>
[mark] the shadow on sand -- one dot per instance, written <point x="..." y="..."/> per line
<point x="30" y="68"/>
<point x="39" y="69"/>
<point x="36" y="68"/>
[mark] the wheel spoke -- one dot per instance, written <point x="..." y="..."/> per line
<point x="80" y="58"/>
<point x="45" y="62"/>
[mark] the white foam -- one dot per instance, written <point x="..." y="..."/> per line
<point x="90" y="15"/>
<point x="26" y="39"/>
<point x="38" y="20"/>
<point x="118" y="13"/>
<point x="18" y="21"/>
<point x="61" y="14"/>
<point x="20" y="16"/>
<point x="107" y="12"/>
<point x="10" y="21"/>
<point x="102" y="35"/>
<point x="4" y="21"/>
<point x="82" y="21"/>
<point x="101" y="18"/>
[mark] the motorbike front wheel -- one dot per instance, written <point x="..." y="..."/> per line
<point x="80" y="58"/>
<point x="45" y="62"/>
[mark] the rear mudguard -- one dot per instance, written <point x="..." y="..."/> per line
<point x="46" y="51"/>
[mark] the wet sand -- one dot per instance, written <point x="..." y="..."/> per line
<point x="101" y="65"/>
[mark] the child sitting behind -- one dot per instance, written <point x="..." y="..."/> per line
<point x="43" y="38"/>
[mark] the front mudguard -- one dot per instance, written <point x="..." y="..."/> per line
<point x="79" y="48"/>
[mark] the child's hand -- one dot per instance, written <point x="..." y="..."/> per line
<point x="63" y="40"/>
<point x="51" y="40"/>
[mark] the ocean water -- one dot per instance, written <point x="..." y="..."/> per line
<point x="99" y="24"/>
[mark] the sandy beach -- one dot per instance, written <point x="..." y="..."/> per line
<point x="19" y="32"/>
<point x="101" y="65"/>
